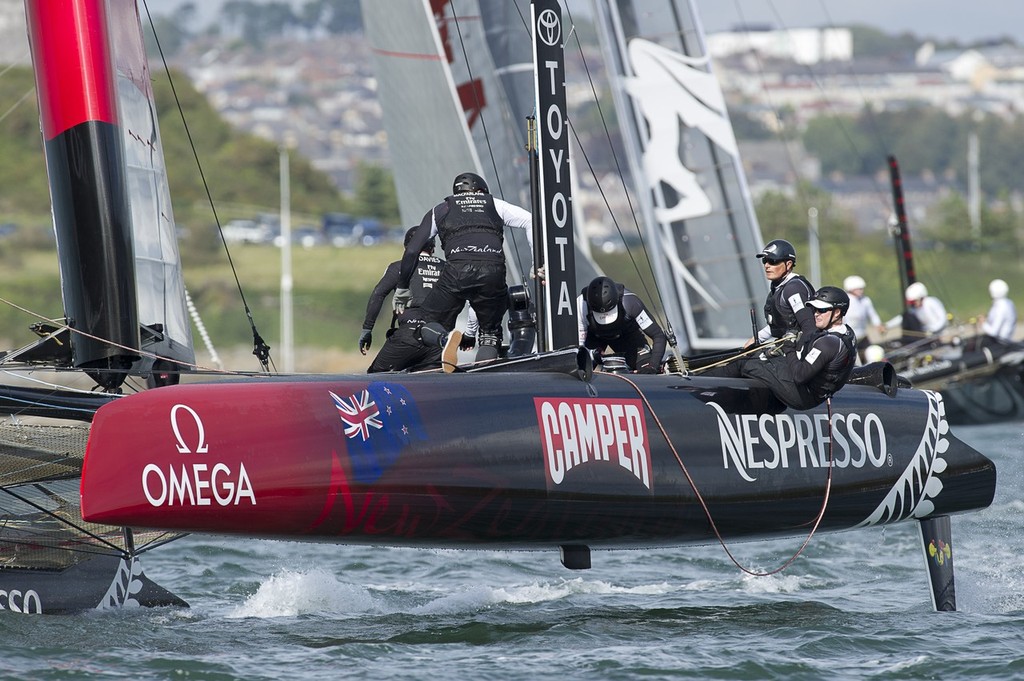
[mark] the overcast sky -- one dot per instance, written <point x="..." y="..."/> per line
<point x="965" y="20"/>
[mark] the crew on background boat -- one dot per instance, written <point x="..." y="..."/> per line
<point x="402" y="349"/>
<point x="1001" y="320"/>
<point x="807" y="375"/>
<point x="926" y="315"/>
<point x="861" y="311"/>
<point x="612" y="316"/>
<point x="471" y="226"/>
<point x="785" y="309"/>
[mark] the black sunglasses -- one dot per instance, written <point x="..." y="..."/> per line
<point x="773" y="262"/>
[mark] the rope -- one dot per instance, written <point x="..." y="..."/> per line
<point x="739" y="355"/>
<point x="707" y="511"/>
<point x="260" y="348"/>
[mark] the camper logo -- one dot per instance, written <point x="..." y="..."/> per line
<point x="593" y="434"/>
<point x="549" y="27"/>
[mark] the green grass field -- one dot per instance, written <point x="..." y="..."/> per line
<point x="331" y="287"/>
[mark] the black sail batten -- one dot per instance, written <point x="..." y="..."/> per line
<point x="92" y="223"/>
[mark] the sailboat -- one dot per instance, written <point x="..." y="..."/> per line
<point x="981" y="378"/>
<point x="541" y="451"/>
<point x="124" y="311"/>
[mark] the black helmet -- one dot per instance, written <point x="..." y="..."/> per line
<point x="778" y="249"/>
<point x="427" y="247"/>
<point x="603" y="295"/>
<point x="830" y="297"/>
<point x="469" y="182"/>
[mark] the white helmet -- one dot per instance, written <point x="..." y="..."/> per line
<point x="916" y="291"/>
<point x="873" y="353"/>
<point x="998" y="288"/>
<point x="853" y="282"/>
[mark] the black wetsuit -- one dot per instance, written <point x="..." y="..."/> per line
<point x="402" y="350"/>
<point x="805" y="377"/>
<point x="624" y="335"/>
<point x="471" y="228"/>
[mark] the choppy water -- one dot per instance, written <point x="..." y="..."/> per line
<point x="854" y="605"/>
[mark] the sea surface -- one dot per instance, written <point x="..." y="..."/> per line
<point x="854" y="605"/>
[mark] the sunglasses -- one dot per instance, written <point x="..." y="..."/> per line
<point x="773" y="263"/>
<point x="818" y="310"/>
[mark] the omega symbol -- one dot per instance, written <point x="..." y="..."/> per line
<point x="183" y="448"/>
<point x="549" y="27"/>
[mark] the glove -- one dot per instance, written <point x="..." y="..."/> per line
<point x="403" y="297"/>
<point x="467" y="342"/>
<point x="365" y="340"/>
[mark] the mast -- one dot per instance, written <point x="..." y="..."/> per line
<point x="85" y="164"/>
<point x="901" y="231"/>
<point x="555" y="219"/>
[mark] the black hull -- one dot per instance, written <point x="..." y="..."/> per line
<point x="96" y="583"/>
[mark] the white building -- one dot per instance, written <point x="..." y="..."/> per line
<point x="802" y="45"/>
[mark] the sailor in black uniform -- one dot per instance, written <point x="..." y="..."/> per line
<point x="471" y="225"/>
<point x="402" y="349"/>
<point x="612" y="316"/>
<point x="805" y="376"/>
<point x="785" y="309"/>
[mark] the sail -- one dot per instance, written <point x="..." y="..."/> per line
<point x="455" y="82"/>
<point x="159" y="281"/>
<point x="698" y="218"/>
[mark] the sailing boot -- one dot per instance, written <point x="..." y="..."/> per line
<point x="487" y="346"/>
<point x="450" y="353"/>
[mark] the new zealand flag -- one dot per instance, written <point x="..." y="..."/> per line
<point x="379" y="422"/>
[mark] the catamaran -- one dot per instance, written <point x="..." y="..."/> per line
<point x="540" y="451"/>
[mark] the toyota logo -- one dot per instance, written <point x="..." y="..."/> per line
<point x="549" y="27"/>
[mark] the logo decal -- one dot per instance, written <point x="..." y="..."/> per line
<point x="756" y="444"/>
<point x="379" y="422"/>
<point x="593" y="432"/>
<point x="549" y="27"/>
<point x="941" y="553"/>
<point x="195" y="482"/>
<point x="359" y="413"/>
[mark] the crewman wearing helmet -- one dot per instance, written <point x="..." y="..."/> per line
<point x="926" y="315"/>
<point x="1002" y="316"/>
<point x="612" y="316"/>
<point x="785" y="309"/>
<point x="861" y="311"/>
<point x="470" y="224"/>
<point x="806" y="376"/>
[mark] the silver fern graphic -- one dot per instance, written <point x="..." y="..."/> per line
<point x="911" y="496"/>
<point x="127" y="583"/>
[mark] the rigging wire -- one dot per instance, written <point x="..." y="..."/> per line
<point x="704" y="505"/>
<point x="260" y="348"/>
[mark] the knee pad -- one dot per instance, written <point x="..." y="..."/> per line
<point x="431" y="334"/>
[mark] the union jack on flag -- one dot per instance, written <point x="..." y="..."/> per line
<point x="359" y="413"/>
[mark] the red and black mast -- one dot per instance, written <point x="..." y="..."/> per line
<point x="76" y="84"/>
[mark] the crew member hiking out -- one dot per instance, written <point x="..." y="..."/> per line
<point x="807" y="375"/>
<point x="401" y="349"/>
<point x="471" y="226"/>
<point x="611" y="316"/>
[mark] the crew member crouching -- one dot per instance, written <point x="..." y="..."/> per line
<point x="611" y="316"/>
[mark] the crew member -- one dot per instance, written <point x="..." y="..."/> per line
<point x="926" y="315"/>
<point x="402" y="349"/>
<point x="785" y="309"/>
<point x="862" y="311"/>
<point x="611" y="316"/>
<point x="471" y="225"/>
<point x="806" y="376"/>
<point x="1002" y="316"/>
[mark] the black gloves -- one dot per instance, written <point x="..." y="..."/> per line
<point x="365" y="339"/>
<point x="467" y="342"/>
